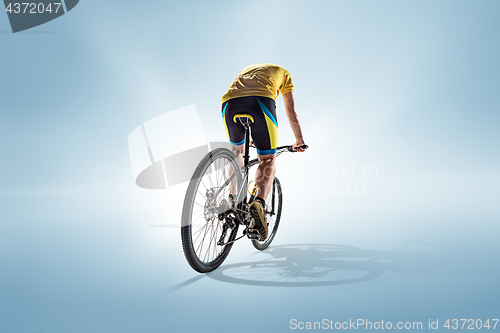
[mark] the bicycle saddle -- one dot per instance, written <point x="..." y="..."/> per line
<point x="243" y="118"/>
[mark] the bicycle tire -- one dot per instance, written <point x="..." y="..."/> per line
<point x="214" y="161"/>
<point x="273" y="223"/>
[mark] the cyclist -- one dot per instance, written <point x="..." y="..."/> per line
<point x="253" y="93"/>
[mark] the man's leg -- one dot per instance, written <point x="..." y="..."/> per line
<point x="238" y="151"/>
<point x="264" y="175"/>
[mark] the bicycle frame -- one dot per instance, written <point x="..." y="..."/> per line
<point x="247" y="163"/>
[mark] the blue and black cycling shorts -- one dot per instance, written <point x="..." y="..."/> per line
<point x="264" y="127"/>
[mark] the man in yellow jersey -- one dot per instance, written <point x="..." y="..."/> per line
<point x="254" y="93"/>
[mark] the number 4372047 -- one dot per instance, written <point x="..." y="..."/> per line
<point x="470" y="324"/>
<point x="32" y="8"/>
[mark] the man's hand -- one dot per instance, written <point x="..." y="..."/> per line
<point x="298" y="144"/>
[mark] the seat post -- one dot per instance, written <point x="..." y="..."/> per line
<point x="247" y="145"/>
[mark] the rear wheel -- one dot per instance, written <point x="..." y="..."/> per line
<point x="207" y="220"/>
<point x="274" y="202"/>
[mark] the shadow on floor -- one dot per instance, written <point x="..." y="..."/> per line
<point x="307" y="265"/>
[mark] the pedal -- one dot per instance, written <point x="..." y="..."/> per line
<point x="253" y="234"/>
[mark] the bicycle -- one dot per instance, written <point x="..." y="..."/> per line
<point x="206" y="245"/>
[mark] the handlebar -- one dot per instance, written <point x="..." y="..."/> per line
<point x="285" y="148"/>
<point x="290" y="148"/>
<point x="282" y="149"/>
<point x="279" y="151"/>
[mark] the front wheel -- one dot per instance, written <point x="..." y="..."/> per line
<point x="208" y="226"/>
<point x="274" y="202"/>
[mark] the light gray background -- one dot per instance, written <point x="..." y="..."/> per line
<point x="409" y="87"/>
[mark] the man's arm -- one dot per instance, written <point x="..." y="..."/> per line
<point x="293" y="120"/>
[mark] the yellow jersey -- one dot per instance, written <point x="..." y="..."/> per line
<point x="265" y="80"/>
